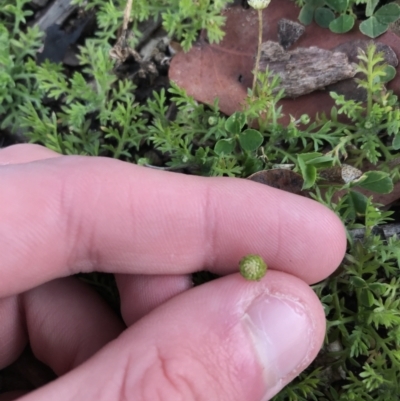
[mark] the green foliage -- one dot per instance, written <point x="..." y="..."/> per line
<point x="339" y="17"/>
<point x="182" y="19"/>
<point x="92" y="112"/>
<point x="99" y="118"/>
<point x="363" y="314"/>
<point x="371" y="121"/>
<point x="17" y="72"/>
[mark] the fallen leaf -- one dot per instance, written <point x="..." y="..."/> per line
<point x="224" y="71"/>
<point x="284" y="179"/>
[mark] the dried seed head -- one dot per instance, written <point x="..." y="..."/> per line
<point x="252" y="267"/>
<point x="259" y="4"/>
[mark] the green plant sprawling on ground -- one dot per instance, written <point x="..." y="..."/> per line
<point x="181" y="18"/>
<point x="91" y="112"/>
<point x="17" y="70"/>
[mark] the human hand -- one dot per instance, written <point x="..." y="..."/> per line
<point x="229" y="339"/>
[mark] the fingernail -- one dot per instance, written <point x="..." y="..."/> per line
<point x="282" y="332"/>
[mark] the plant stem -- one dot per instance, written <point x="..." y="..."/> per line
<point x="127" y="15"/>
<point x="260" y="27"/>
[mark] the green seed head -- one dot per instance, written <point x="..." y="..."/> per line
<point x="252" y="267"/>
<point x="259" y="4"/>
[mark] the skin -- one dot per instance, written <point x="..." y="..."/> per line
<point x="61" y="215"/>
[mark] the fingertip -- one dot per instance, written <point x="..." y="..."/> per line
<point x="25" y="153"/>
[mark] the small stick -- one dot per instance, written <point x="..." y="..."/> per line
<point x="127" y="15"/>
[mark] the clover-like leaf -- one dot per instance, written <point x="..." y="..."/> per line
<point x="306" y="15"/>
<point x="339" y="5"/>
<point x="370" y="8"/>
<point x="396" y="142"/>
<point x="324" y="16"/>
<point x="235" y="123"/>
<point x="376" y="181"/>
<point x="373" y="28"/>
<point x="390" y="73"/>
<point x="388" y="13"/>
<point x="224" y="146"/>
<point x="342" y="24"/>
<point x="250" y="140"/>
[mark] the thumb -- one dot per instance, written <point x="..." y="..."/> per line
<point x="229" y="339"/>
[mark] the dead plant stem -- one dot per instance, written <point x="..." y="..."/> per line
<point x="127" y="15"/>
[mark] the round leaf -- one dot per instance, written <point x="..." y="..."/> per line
<point x="373" y="28"/>
<point x="371" y="4"/>
<point x="357" y="282"/>
<point x="390" y="73"/>
<point x="396" y="142"/>
<point x="339" y="5"/>
<point x="306" y="15"/>
<point x="323" y="17"/>
<point x="342" y="24"/>
<point x="235" y="123"/>
<point x="376" y="181"/>
<point x="224" y="146"/>
<point x="357" y="202"/>
<point x="250" y="140"/>
<point x="388" y="13"/>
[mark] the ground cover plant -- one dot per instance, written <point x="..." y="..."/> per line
<point x="94" y="109"/>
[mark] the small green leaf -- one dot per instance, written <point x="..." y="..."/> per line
<point x="324" y="16"/>
<point x="309" y="174"/>
<point x="316" y="159"/>
<point x="390" y="73"/>
<point x="388" y="13"/>
<point x="306" y="15"/>
<point x="342" y="24"/>
<point x="327" y="298"/>
<point x="375" y="181"/>
<point x="306" y="157"/>
<point x="224" y="146"/>
<point x="367" y="298"/>
<point x="323" y="161"/>
<point x="315" y="3"/>
<point x="371" y="4"/>
<point x="339" y="5"/>
<point x="357" y="202"/>
<point x="372" y="28"/>
<point x="308" y="171"/>
<point x="235" y="123"/>
<point x="250" y="140"/>
<point x="396" y="142"/>
<point x="377" y="288"/>
<point x="357" y="282"/>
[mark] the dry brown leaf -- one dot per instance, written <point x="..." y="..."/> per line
<point x="280" y="178"/>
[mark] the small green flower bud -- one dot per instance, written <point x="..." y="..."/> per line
<point x="259" y="4"/>
<point x="368" y="125"/>
<point x="212" y="120"/>
<point x="304" y="119"/>
<point x="252" y="267"/>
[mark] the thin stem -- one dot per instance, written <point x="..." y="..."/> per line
<point x="260" y="27"/>
<point x="127" y="15"/>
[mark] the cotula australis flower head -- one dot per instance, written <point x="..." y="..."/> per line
<point x="252" y="267"/>
<point x="258" y="4"/>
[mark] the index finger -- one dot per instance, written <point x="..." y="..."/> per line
<point x="75" y="214"/>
